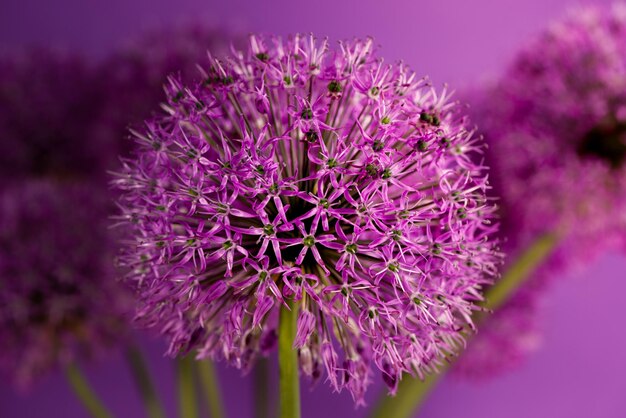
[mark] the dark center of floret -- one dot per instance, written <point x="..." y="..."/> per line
<point x="37" y="301"/>
<point x="262" y="56"/>
<point x="334" y="87"/>
<point x="268" y="230"/>
<point x="307" y="113"/>
<point x="607" y="142"/>
<point x="311" y="136"/>
<point x="430" y="118"/>
<point x="351" y="248"/>
<point x="309" y="241"/>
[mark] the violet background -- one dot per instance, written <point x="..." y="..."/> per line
<point x="580" y="371"/>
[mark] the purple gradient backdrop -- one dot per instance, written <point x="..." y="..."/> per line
<point x="579" y="372"/>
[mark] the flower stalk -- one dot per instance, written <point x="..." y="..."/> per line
<point x="187" y="400"/>
<point x="210" y="385"/>
<point x="261" y="389"/>
<point x="288" y="363"/>
<point x="409" y="398"/>
<point x="85" y="393"/>
<point x="520" y="271"/>
<point x="142" y="379"/>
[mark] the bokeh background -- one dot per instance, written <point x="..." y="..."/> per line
<point x="580" y="370"/>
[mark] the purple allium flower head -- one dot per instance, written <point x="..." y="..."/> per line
<point x="294" y="171"/>
<point x="556" y="128"/>
<point x="59" y="298"/>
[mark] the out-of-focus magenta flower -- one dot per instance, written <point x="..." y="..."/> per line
<point x="293" y="171"/>
<point x="59" y="299"/>
<point x="556" y="128"/>
<point x="62" y="116"/>
<point x="133" y="77"/>
<point x="64" y="122"/>
<point x="48" y="103"/>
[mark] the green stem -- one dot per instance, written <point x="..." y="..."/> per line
<point x="410" y="396"/>
<point x="288" y="363"/>
<point x="85" y="393"/>
<point x="209" y="381"/>
<point x="141" y="375"/>
<point x="412" y="392"/>
<point x="520" y="271"/>
<point x="261" y="389"/>
<point x="187" y="402"/>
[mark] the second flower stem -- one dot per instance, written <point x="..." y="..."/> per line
<point x="520" y="271"/>
<point x="209" y="381"/>
<point x="187" y="400"/>
<point x="289" y="384"/>
<point x="85" y="393"/>
<point x="142" y="379"/>
<point x="261" y="389"/>
<point x="410" y="395"/>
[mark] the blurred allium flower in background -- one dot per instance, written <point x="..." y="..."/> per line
<point x="48" y="102"/>
<point x="58" y="298"/>
<point x="292" y="171"/>
<point x="559" y="117"/>
<point x="63" y="123"/>
<point x="134" y="76"/>
<point x="556" y="128"/>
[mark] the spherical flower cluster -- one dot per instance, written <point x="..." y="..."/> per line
<point x="555" y="124"/>
<point x="296" y="173"/>
<point x="58" y="298"/>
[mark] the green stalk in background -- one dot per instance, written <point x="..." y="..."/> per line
<point x="289" y="384"/>
<point x="412" y="392"/>
<point x="261" y="389"/>
<point x="187" y="400"/>
<point x="85" y="393"/>
<point x="409" y="397"/>
<point x="210" y="385"/>
<point x="141" y="375"/>
<point x="520" y="271"/>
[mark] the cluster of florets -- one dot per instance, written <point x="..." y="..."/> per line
<point x="58" y="299"/>
<point x="293" y="172"/>
<point x="555" y="124"/>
